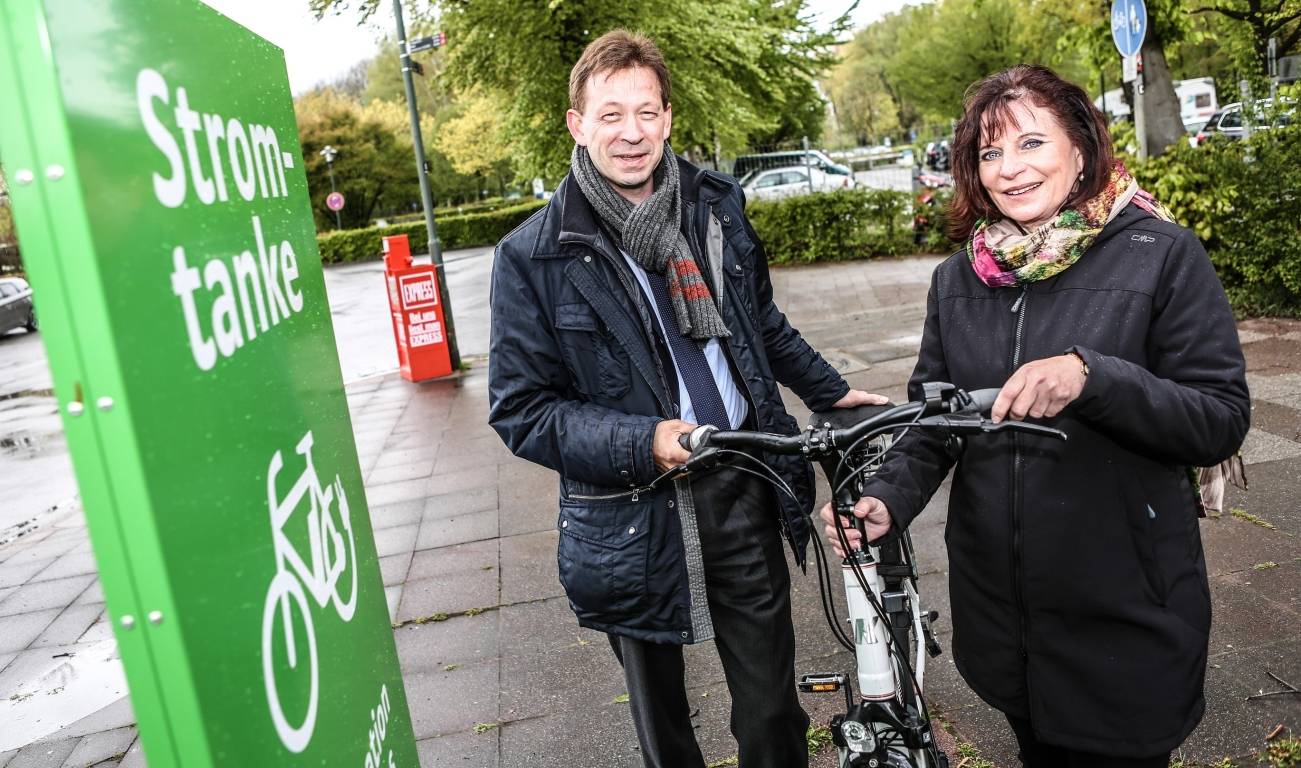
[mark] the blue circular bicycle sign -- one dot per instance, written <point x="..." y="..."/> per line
<point x="1128" y="25"/>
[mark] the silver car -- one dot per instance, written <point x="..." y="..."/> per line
<point x="779" y="183"/>
<point x="16" y="310"/>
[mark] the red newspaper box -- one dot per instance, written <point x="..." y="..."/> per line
<point x="417" y="313"/>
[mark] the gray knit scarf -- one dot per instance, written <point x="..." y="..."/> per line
<point x="651" y="232"/>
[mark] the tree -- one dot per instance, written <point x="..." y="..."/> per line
<point x="1280" y="19"/>
<point x="472" y="140"/>
<point x="371" y="166"/>
<point x="384" y="77"/>
<point x="920" y="61"/>
<point x="438" y="104"/>
<point x="742" y="70"/>
<point x="352" y="83"/>
<point x="1168" y="25"/>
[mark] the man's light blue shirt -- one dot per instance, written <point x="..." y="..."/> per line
<point x="733" y="400"/>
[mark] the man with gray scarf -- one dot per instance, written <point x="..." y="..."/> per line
<point x="634" y="306"/>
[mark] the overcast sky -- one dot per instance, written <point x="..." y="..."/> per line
<point x="320" y="51"/>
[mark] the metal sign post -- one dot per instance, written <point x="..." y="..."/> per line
<point x="1128" y="28"/>
<point x="169" y="236"/>
<point x="422" y="169"/>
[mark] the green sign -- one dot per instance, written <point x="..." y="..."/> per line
<point x="158" y="187"/>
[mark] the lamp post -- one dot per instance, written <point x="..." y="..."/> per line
<point x="329" y="154"/>
<point x="422" y="169"/>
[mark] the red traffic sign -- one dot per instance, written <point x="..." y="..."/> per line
<point x="334" y="201"/>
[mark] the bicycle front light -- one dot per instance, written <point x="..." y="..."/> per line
<point x="858" y="737"/>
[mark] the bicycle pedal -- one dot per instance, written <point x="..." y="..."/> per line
<point x="821" y="683"/>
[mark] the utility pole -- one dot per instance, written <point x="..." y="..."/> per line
<point x="422" y="171"/>
<point x="1273" y="71"/>
<point x="1102" y="74"/>
<point x="1140" y="115"/>
<point x="1102" y="89"/>
<point x="807" y="168"/>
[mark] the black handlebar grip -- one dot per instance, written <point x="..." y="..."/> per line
<point x="684" y="440"/>
<point x="982" y="400"/>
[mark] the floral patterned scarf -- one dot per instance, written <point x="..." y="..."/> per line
<point x="1002" y="255"/>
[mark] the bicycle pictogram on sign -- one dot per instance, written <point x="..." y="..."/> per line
<point x="319" y="576"/>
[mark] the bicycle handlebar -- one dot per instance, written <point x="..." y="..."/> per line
<point x="945" y="407"/>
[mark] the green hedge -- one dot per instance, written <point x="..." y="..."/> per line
<point x="466" y="231"/>
<point x="1243" y="199"/>
<point x="485" y="206"/>
<point x="834" y="226"/>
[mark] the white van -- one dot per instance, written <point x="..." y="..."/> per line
<point x="1197" y="102"/>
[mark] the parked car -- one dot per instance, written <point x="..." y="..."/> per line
<point x="778" y="183"/>
<point x="745" y="164"/>
<point x="937" y="155"/>
<point x="16" y="310"/>
<point x="1227" y="122"/>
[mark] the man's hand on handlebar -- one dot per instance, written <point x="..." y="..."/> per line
<point x="876" y="519"/>
<point x="1040" y="389"/>
<point x="665" y="448"/>
<point x="856" y="397"/>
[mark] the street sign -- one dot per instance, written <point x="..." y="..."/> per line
<point x="1128" y="25"/>
<point x="436" y="40"/>
<point x="1129" y="68"/>
<point x="168" y="233"/>
<point x="334" y="201"/>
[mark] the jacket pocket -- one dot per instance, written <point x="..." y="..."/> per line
<point x="603" y="556"/>
<point x="600" y="366"/>
<point x="1142" y="519"/>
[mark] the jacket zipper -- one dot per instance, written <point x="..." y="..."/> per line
<point x="1019" y="309"/>
<point x="631" y="495"/>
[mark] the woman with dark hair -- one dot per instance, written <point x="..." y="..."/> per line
<point x="1077" y="582"/>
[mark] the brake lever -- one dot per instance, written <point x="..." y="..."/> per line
<point x="974" y="423"/>
<point x="702" y="459"/>
<point x="1020" y="426"/>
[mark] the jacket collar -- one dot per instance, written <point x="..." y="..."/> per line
<point x="578" y="222"/>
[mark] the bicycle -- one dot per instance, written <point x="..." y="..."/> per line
<point x="329" y="560"/>
<point x="888" y="724"/>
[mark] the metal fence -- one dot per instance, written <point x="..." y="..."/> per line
<point x="873" y="167"/>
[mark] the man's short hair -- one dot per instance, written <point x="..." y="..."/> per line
<point x="615" y="50"/>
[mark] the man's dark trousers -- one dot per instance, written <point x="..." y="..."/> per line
<point x="749" y="600"/>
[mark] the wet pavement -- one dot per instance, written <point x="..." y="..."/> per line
<point x="496" y="669"/>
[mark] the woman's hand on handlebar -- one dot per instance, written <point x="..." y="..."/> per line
<point x="1040" y="389"/>
<point x="856" y="397"/>
<point x="667" y="451"/>
<point x="876" y="519"/>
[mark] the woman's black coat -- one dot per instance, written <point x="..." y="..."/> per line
<point x="1077" y="581"/>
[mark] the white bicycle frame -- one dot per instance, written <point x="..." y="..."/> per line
<point x="880" y="676"/>
<point x="329" y="559"/>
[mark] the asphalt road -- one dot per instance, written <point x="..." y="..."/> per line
<point x="35" y="472"/>
<point x="359" y="307"/>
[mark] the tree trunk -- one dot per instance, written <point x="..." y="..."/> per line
<point x="1160" y="104"/>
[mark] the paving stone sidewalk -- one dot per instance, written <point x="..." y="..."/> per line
<point x="466" y="535"/>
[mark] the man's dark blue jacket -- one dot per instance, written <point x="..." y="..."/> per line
<point x="576" y="384"/>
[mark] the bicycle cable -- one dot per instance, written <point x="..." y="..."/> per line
<point x="824" y="591"/>
<point x="891" y="645"/>
<point x="772" y="477"/>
